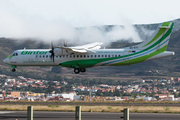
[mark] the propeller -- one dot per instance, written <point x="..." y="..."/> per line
<point x="52" y="52"/>
<point x="65" y="43"/>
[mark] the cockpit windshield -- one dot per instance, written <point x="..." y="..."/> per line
<point x="15" y="54"/>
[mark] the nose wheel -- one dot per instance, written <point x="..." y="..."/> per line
<point x="13" y="70"/>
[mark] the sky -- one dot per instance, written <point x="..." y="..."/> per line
<point x="56" y="19"/>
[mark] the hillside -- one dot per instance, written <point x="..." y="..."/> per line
<point x="168" y="66"/>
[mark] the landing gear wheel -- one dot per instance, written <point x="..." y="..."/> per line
<point x="76" y="70"/>
<point x="13" y="70"/>
<point x="83" y="69"/>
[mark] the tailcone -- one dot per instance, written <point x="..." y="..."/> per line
<point x="161" y="55"/>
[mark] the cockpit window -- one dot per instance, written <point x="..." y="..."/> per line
<point x="15" y="54"/>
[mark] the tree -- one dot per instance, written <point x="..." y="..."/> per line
<point x="116" y="93"/>
<point x="50" y="87"/>
<point x="63" y="89"/>
<point x="29" y="87"/>
<point x="99" y="93"/>
<point x="176" y="95"/>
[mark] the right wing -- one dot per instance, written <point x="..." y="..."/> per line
<point x="83" y="48"/>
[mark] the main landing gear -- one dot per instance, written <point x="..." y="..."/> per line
<point x="13" y="70"/>
<point x="78" y="70"/>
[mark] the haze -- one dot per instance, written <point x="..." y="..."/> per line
<point x="51" y="20"/>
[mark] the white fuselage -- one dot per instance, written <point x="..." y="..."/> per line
<point x="42" y="57"/>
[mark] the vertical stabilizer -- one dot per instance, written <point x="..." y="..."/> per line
<point x="159" y="39"/>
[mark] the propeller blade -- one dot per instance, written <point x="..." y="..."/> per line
<point x="52" y="51"/>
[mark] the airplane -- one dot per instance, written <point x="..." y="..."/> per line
<point x="81" y="57"/>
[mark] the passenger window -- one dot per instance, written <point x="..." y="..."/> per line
<point x="98" y="55"/>
<point x="91" y="55"/>
<point x="16" y="54"/>
<point x="87" y="55"/>
<point x="105" y="55"/>
<point x="84" y="55"/>
<point x="56" y="56"/>
<point x="94" y="55"/>
<point x="77" y="56"/>
<point x="115" y="55"/>
<point x="112" y="55"/>
<point x="60" y="56"/>
<point x="40" y="56"/>
<point x="102" y="55"/>
<point x="43" y="56"/>
<point x="74" y="56"/>
<point x="66" y="56"/>
<point x="81" y="56"/>
<point x="119" y="55"/>
<point x="36" y="56"/>
<point x="46" y="56"/>
<point x="109" y="56"/>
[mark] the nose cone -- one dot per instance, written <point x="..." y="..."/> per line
<point x="5" y="60"/>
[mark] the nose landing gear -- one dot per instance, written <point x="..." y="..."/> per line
<point x="13" y="66"/>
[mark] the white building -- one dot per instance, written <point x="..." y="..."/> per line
<point x="66" y="95"/>
<point x="10" y="80"/>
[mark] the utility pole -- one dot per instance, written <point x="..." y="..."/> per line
<point x="89" y="95"/>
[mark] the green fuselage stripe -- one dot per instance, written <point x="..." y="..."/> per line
<point x="160" y="32"/>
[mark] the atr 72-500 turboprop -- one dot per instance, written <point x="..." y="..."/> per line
<point x="81" y="57"/>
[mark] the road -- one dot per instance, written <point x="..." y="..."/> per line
<point x="46" y="115"/>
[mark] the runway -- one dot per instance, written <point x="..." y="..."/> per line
<point x="45" y="115"/>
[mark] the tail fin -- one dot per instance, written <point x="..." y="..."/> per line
<point x="159" y="39"/>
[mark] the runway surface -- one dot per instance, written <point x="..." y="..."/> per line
<point x="45" y="115"/>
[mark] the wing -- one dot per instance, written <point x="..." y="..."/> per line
<point x="83" y="49"/>
<point x="95" y="45"/>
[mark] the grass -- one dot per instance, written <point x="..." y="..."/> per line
<point x="114" y="109"/>
<point x="81" y="102"/>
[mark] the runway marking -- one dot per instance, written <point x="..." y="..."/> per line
<point x="4" y="112"/>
